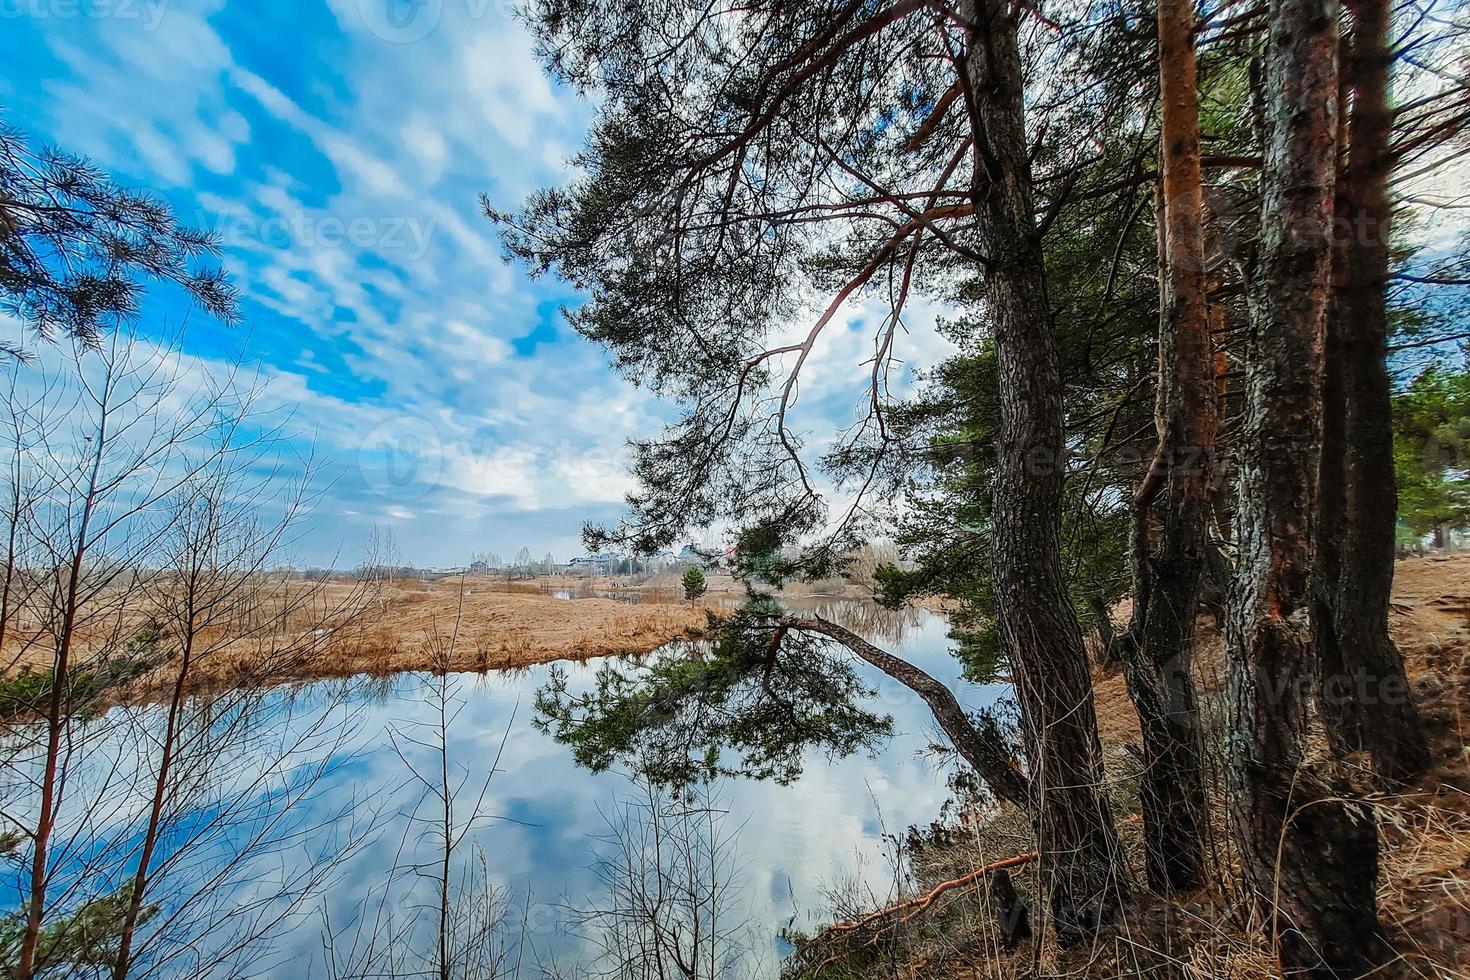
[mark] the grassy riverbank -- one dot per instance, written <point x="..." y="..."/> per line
<point x="340" y="629"/>
<point x="292" y="630"/>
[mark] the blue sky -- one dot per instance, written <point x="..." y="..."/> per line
<point x="338" y="147"/>
<point x="339" y="151"/>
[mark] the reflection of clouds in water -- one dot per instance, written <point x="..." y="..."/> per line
<point x="795" y="842"/>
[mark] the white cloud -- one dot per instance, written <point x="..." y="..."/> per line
<point x="508" y="85"/>
<point x="414" y="327"/>
<point x="427" y="144"/>
<point x="149" y="90"/>
<point x="483" y="348"/>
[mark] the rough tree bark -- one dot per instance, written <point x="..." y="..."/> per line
<point x="1168" y="566"/>
<point x="1365" y="693"/>
<point x="1308" y="858"/>
<point x="1081" y="860"/>
<point x="982" y="747"/>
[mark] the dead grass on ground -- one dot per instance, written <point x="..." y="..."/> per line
<point x="1424" y="873"/>
<point x="335" y="634"/>
<point x="499" y="629"/>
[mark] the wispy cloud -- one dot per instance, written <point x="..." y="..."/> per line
<point x="340" y="169"/>
<point x="339" y="151"/>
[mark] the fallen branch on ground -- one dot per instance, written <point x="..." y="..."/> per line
<point x="917" y="905"/>
<point x="882" y="921"/>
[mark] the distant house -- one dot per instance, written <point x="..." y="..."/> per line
<point x="689" y="556"/>
<point x="479" y="568"/>
<point x="594" y="564"/>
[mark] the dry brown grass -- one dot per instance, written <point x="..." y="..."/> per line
<point x="1424" y="873"/>
<point x="509" y="629"/>
<point x="496" y="629"/>
<point x="501" y="624"/>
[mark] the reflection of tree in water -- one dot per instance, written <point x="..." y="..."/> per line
<point x="669" y="869"/>
<point x="861" y="616"/>
<point x="143" y="537"/>
<point x="765" y="690"/>
<point x="439" y="912"/>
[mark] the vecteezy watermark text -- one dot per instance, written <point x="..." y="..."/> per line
<point x="301" y="229"/>
<point x="405" y="21"/>
<point x="148" y="13"/>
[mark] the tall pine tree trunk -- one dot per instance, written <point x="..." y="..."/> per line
<point x="1038" y="625"/>
<point x="1365" y="693"/>
<point x="1308" y="859"/>
<point x="1168" y="570"/>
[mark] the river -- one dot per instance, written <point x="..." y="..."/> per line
<point x="540" y="823"/>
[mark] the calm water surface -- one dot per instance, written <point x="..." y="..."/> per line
<point x="543" y="813"/>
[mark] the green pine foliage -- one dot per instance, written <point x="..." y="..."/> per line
<point x="1431" y="421"/>
<point x="945" y="532"/>
<point x="27" y="693"/>
<point x="83" y="943"/>
<point x="76" y="249"/>
<point x="737" y="704"/>
<point x="694" y="583"/>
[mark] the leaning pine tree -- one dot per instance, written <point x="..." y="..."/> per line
<point x="746" y="161"/>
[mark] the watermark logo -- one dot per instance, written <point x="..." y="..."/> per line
<point x="402" y="234"/>
<point x="406" y="21"/>
<point x="401" y="21"/>
<point x="401" y="459"/>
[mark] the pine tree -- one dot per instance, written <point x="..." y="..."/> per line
<point x="728" y="172"/>
<point x="1431" y="425"/>
<point x="694" y="583"/>
<point x="1365" y="693"/>
<point x="1320" y="901"/>
<point x="76" y="249"/>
